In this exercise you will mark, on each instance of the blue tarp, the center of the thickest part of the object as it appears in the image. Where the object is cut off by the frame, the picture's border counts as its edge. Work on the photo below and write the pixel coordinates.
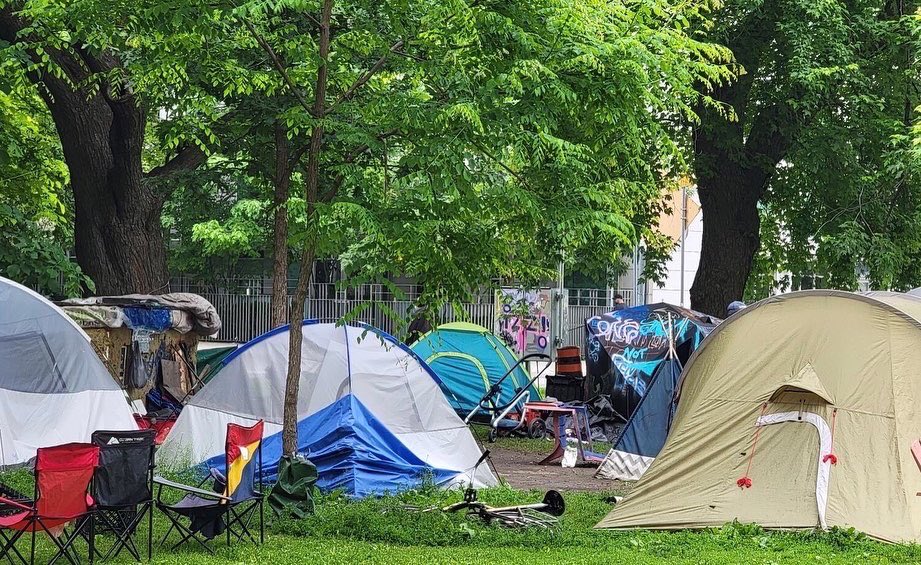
(650, 423)
(353, 452)
(468, 359)
(152, 319)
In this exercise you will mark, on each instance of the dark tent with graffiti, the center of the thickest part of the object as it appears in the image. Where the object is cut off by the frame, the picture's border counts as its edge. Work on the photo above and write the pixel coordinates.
(636, 356)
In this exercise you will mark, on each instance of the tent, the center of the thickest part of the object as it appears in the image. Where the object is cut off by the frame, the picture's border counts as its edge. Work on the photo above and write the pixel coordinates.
(644, 348)
(53, 387)
(644, 434)
(798, 412)
(210, 358)
(469, 359)
(371, 416)
(624, 348)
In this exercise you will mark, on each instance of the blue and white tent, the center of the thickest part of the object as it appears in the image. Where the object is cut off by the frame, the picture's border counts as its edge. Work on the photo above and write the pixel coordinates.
(372, 417)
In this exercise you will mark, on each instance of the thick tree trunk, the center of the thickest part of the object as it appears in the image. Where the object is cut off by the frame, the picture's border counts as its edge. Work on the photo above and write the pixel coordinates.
(292, 386)
(730, 241)
(734, 161)
(117, 231)
(282, 183)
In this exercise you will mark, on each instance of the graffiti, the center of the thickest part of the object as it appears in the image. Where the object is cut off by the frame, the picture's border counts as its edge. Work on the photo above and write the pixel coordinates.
(626, 333)
(594, 349)
(523, 319)
(630, 345)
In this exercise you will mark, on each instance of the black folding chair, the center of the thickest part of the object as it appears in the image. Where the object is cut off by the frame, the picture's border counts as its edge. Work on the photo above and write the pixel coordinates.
(232, 501)
(123, 488)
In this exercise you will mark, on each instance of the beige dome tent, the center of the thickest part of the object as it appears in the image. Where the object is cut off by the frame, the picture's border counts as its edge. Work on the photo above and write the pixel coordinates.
(797, 412)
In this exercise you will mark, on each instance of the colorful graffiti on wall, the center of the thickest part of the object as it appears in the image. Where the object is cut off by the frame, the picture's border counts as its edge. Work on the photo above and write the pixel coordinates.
(523, 319)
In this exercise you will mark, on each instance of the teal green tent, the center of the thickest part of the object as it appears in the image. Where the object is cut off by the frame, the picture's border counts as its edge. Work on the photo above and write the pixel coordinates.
(469, 359)
(212, 358)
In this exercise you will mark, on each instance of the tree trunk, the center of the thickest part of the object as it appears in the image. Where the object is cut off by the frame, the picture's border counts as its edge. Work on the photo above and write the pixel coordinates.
(292, 385)
(117, 231)
(731, 238)
(734, 161)
(282, 183)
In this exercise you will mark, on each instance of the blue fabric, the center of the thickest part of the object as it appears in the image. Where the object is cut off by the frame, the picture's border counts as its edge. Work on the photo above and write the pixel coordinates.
(649, 425)
(353, 452)
(156, 400)
(445, 351)
(153, 319)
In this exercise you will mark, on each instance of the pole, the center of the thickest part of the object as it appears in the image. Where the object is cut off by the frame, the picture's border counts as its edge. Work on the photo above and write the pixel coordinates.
(684, 229)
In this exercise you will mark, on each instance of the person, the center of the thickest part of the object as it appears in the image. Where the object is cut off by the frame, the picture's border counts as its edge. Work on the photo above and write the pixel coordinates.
(619, 303)
(418, 327)
(734, 307)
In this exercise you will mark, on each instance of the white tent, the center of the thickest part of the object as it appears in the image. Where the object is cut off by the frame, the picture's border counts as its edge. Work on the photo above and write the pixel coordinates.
(371, 414)
(53, 387)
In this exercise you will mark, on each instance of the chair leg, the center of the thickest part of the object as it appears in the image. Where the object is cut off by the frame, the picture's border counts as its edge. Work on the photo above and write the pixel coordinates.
(124, 537)
(261, 520)
(32, 547)
(9, 545)
(92, 542)
(243, 519)
(227, 523)
(186, 533)
(149, 531)
(168, 531)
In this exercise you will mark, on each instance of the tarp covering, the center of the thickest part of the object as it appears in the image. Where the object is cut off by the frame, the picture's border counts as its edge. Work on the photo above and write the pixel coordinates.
(53, 387)
(371, 415)
(468, 360)
(811, 375)
(624, 348)
(202, 317)
(646, 430)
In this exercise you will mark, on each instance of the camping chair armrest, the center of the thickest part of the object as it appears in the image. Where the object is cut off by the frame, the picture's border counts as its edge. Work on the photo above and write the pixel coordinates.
(7, 501)
(161, 482)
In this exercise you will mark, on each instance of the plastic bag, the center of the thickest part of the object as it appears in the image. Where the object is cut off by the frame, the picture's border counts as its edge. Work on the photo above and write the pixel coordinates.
(571, 453)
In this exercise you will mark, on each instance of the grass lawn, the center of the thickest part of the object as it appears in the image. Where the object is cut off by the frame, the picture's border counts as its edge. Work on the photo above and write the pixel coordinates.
(383, 531)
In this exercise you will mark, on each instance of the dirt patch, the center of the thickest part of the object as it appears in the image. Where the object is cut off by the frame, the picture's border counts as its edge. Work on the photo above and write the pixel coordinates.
(521, 471)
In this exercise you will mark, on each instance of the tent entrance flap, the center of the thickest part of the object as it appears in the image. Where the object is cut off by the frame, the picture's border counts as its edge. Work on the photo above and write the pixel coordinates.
(789, 441)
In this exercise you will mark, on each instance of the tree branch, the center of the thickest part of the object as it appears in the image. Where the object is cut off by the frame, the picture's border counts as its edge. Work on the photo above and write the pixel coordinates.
(280, 67)
(499, 162)
(350, 92)
(189, 157)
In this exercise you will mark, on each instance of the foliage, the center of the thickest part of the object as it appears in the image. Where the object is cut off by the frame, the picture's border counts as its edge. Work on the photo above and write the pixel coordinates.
(848, 196)
(35, 209)
(495, 141)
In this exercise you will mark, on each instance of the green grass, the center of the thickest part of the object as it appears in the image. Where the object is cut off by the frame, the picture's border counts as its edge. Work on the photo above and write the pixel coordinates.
(384, 531)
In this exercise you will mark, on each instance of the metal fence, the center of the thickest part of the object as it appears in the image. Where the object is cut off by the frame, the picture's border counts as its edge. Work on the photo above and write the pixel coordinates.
(246, 316)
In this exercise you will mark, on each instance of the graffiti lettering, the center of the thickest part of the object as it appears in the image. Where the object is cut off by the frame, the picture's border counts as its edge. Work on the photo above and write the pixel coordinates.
(524, 319)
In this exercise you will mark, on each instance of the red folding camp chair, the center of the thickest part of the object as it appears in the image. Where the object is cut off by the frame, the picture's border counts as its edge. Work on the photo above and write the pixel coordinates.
(62, 477)
(233, 499)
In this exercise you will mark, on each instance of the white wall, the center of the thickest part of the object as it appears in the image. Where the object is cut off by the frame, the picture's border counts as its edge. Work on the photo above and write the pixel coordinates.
(671, 291)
